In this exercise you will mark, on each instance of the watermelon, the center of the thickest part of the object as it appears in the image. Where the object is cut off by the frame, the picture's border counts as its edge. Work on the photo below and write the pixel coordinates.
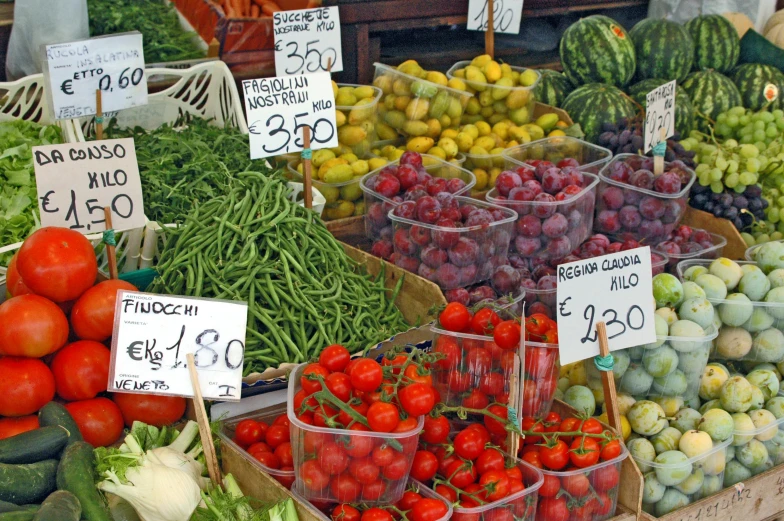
(664, 49)
(684, 111)
(597, 104)
(759, 85)
(716, 43)
(597, 49)
(553, 87)
(711, 93)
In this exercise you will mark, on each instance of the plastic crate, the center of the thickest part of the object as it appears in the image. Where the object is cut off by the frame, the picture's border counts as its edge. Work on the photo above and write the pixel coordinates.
(361, 119)
(592, 158)
(759, 449)
(714, 252)
(751, 250)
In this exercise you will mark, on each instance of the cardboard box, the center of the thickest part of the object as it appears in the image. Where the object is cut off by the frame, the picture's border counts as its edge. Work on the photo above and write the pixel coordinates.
(736, 246)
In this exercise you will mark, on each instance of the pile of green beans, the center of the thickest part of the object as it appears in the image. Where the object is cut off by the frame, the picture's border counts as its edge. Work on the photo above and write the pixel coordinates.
(303, 291)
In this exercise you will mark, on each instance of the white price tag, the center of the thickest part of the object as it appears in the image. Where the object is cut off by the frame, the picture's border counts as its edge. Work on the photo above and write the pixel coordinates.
(615, 289)
(307, 40)
(659, 115)
(279, 108)
(507, 15)
(112, 64)
(75, 181)
(153, 335)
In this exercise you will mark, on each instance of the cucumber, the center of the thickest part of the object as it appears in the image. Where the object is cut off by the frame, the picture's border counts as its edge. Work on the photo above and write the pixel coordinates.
(27, 482)
(53, 414)
(19, 515)
(31, 446)
(77, 475)
(59, 506)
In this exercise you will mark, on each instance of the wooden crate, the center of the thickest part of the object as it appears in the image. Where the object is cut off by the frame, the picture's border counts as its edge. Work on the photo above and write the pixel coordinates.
(736, 246)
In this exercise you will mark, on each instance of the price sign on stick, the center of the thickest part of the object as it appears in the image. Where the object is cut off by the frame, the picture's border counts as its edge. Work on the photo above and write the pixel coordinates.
(615, 289)
(154, 334)
(112, 64)
(506, 15)
(307, 40)
(75, 181)
(659, 115)
(278, 109)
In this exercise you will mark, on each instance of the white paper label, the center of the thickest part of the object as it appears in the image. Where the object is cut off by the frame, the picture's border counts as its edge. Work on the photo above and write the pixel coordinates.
(307, 41)
(659, 115)
(506, 15)
(615, 289)
(278, 109)
(113, 64)
(75, 181)
(153, 335)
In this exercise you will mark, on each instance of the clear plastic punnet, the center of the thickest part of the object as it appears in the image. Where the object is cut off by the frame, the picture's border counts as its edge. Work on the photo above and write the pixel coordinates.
(357, 122)
(591, 158)
(676, 480)
(310, 443)
(759, 446)
(714, 252)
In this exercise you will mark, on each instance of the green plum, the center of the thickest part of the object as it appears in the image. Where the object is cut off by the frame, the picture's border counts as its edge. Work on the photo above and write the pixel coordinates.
(692, 272)
(775, 451)
(759, 320)
(717, 423)
(672, 467)
(661, 361)
(757, 399)
(692, 290)
(712, 379)
(735, 473)
(620, 363)
(642, 451)
(666, 439)
(727, 270)
(711, 485)
(670, 502)
(776, 406)
(736, 394)
(667, 290)
(752, 454)
(743, 429)
(668, 314)
(776, 278)
(662, 331)
(735, 310)
(712, 285)
(765, 423)
(710, 404)
(770, 256)
(768, 346)
(670, 404)
(733, 343)
(652, 490)
(581, 398)
(754, 285)
(695, 443)
(674, 384)
(689, 336)
(646, 418)
(775, 298)
(636, 380)
(698, 310)
(692, 484)
(686, 420)
(766, 380)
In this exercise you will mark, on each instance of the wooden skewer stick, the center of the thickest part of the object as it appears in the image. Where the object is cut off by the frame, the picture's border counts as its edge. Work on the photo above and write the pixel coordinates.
(98, 115)
(110, 250)
(490, 32)
(608, 381)
(204, 424)
(329, 65)
(515, 401)
(307, 170)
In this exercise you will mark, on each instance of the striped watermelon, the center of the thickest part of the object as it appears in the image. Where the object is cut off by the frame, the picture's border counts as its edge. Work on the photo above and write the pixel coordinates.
(684, 111)
(711, 93)
(759, 85)
(597, 49)
(553, 87)
(716, 43)
(595, 104)
(664, 49)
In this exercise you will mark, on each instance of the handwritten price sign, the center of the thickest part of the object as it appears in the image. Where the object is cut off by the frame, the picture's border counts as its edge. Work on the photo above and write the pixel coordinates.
(307, 41)
(75, 181)
(112, 64)
(659, 115)
(278, 109)
(506, 15)
(615, 289)
(153, 334)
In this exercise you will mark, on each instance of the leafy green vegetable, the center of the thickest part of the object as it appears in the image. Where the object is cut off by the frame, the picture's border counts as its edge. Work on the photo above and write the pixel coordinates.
(163, 38)
(232, 505)
(18, 207)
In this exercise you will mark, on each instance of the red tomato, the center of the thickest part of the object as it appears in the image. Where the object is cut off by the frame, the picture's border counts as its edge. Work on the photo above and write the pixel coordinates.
(81, 370)
(460, 473)
(493, 425)
(247, 433)
(490, 459)
(550, 336)
(605, 478)
(332, 458)
(417, 399)
(268, 459)
(92, 316)
(335, 357)
(484, 321)
(550, 486)
(576, 485)
(584, 452)
(26, 385)
(13, 282)
(313, 441)
(345, 488)
(425, 466)
(57, 263)
(458, 381)
(345, 419)
(99, 420)
(537, 324)
(569, 425)
(555, 456)
(376, 514)
(31, 326)
(398, 468)
(478, 361)
(312, 476)
(309, 385)
(491, 383)
(383, 455)
(366, 375)
(300, 398)
(345, 513)
(382, 416)
(418, 374)
(552, 509)
(374, 490)
(476, 399)
(610, 450)
(507, 335)
(469, 443)
(496, 483)
(408, 500)
(259, 446)
(515, 474)
(396, 363)
(364, 469)
(602, 504)
(277, 435)
(13, 426)
(446, 492)
(455, 317)
(358, 446)
(451, 353)
(532, 425)
(435, 430)
(532, 458)
(592, 426)
(150, 409)
(428, 509)
(339, 384)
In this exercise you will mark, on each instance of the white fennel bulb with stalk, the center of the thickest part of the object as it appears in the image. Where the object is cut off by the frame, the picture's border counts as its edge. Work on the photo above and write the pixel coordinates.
(175, 459)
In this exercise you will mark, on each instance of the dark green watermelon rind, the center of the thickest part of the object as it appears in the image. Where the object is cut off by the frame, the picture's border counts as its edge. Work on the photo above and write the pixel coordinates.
(594, 104)
(552, 88)
(684, 110)
(716, 43)
(663, 49)
(751, 79)
(592, 53)
(711, 93)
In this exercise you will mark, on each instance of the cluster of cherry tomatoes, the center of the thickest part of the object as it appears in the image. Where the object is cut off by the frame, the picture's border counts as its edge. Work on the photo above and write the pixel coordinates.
(360, 399)
(580, 461)
(269, 444)
(415, 505)
(478, 353)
